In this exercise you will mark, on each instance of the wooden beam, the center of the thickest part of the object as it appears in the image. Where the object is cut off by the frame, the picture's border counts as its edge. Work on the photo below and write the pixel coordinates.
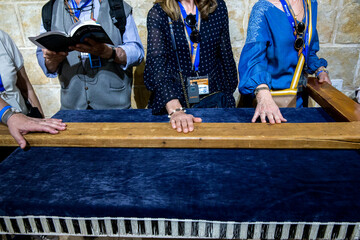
(336, 135)
(334, 102)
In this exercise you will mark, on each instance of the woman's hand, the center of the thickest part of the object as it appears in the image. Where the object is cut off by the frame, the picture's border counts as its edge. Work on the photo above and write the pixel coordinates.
(183, 122)
(324, 77)
(179, 120)
(267, 108)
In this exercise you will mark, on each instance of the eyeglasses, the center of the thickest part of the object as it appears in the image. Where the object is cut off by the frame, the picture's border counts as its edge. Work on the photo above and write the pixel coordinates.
(190, 21)
(299, 42)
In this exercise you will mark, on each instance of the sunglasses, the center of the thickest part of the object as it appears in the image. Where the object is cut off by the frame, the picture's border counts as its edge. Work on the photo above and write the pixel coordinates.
(191, 22)
(299, 42)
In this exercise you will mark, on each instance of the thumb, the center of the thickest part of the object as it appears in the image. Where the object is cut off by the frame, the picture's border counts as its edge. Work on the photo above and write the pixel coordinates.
(197, 119)
(19, 138)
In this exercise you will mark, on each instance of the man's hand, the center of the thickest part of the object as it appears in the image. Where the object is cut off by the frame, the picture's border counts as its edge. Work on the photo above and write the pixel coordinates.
(19, 125)
(53, 59)
(94, 48)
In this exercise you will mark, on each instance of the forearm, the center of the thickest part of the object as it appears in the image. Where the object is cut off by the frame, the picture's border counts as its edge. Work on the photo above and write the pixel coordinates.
(27, 90)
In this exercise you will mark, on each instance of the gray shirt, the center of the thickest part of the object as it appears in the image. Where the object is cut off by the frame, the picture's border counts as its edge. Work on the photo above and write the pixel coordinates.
(11, 62)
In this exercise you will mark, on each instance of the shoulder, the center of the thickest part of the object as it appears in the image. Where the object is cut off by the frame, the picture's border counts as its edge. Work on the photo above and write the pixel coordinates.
(5, 39)
(156, 12)
(127, 8)
(261, 7)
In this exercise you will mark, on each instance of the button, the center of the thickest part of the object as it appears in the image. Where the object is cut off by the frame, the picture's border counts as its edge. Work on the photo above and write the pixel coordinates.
(86, 88)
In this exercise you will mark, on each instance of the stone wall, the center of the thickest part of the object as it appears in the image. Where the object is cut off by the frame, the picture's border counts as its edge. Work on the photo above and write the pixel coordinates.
(338, 27)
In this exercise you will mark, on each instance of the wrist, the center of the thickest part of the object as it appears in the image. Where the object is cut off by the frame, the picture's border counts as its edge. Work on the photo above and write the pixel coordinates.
(261, 88)
(175, 111)
(6, 113)
(321, 70)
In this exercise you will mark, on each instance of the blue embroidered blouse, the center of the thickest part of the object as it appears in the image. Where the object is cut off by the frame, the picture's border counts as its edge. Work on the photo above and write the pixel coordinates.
(269, 56)
(161, 75)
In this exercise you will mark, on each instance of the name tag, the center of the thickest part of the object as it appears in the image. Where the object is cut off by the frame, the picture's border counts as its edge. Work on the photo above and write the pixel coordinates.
(202, 82)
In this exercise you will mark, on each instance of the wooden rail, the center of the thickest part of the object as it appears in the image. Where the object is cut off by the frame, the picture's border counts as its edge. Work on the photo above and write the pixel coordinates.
(335, 135)
(335, 103)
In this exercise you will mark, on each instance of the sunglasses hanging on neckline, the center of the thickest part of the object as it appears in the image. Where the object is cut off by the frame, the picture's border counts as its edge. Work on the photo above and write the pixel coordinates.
(191, 22)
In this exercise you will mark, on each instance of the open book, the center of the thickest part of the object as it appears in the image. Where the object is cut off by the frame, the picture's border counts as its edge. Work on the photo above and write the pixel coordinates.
(60, 41)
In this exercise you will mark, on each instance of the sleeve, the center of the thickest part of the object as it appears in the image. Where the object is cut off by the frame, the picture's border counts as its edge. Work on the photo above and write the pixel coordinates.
(313, 61)
(13, 52)
(160, 72)
(227, 57)
(253, 62)
(41, 59)
(132, 44)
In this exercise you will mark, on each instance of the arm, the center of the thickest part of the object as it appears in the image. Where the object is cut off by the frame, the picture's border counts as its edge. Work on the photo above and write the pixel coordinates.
(160, 73)
(253, 68)
(19, 124)
(27, 90)
(227, 57)
(314, 62)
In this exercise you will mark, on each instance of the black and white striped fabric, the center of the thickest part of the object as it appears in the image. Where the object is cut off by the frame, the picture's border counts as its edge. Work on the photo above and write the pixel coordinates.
(174, 228)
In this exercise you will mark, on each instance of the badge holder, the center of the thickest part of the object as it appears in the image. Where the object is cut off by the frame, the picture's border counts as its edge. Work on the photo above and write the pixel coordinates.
(95, 61)
(193, 93)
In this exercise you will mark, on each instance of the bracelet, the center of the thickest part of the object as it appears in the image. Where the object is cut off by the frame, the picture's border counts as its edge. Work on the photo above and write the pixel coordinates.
(7, 114)
(259, 89)
(320, 70)
(176, 110)
(4, 110)
(318, 73)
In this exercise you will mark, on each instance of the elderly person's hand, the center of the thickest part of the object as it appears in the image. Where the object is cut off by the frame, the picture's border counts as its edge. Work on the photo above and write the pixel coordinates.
(267, 108)
(19, 125)
(183, 122)
(324, 77)
(179, 120)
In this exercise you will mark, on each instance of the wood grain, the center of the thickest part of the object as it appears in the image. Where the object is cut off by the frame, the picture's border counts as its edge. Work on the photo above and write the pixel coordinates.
(335, 103)
(337, 135)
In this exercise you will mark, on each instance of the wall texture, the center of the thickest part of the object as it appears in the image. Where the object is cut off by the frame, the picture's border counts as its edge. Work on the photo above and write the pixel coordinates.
(338, 27)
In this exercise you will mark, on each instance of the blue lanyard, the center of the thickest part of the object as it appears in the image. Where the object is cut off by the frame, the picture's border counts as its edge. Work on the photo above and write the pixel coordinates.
(188, 29)
(78, 10)
(293, 25)
(2, 89)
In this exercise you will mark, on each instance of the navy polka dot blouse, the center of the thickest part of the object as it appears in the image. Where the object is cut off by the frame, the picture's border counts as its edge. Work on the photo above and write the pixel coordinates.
(161, 74)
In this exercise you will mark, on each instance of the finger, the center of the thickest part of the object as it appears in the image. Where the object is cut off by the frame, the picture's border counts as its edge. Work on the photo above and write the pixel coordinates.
(18, 138)
(190, 124)
(184, 125)
(263, 117)
(173, 123)
(178, 125)
(281, 117)
(277, 118)
(256, 115)
(90, 41)
(271, 118)
(197, 119)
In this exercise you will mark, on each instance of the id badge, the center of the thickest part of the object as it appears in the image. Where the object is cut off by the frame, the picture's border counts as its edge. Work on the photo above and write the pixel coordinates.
(202, 82)
(95, 61)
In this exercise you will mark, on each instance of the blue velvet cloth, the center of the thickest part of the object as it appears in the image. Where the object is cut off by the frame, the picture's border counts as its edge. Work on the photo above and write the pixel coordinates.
(210, 184)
